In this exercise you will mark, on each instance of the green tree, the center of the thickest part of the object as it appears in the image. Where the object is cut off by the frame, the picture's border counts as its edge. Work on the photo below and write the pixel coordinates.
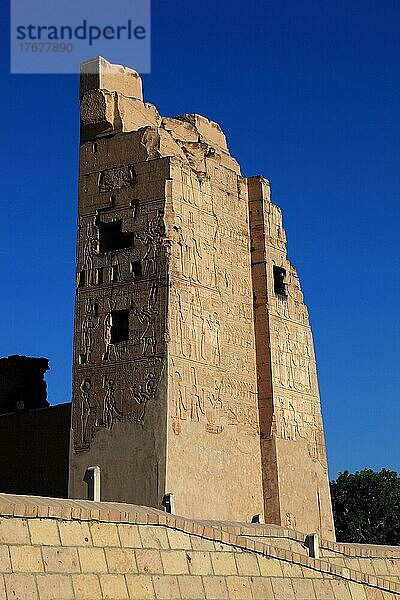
(366, 507)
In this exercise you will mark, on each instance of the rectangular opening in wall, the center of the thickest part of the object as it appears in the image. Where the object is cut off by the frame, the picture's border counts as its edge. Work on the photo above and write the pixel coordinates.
(119, 326)
(113, 238)
(99, 276)
(135, 206)
(115, 273)
(136, 268)
(279, 281)
(82, 279)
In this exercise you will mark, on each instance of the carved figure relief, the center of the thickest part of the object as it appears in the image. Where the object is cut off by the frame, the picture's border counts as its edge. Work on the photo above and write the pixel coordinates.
(292, 358)
(212, 337)
(181, 324)
(89, 250)
(199, 393)
(148, 315)
(316, 448)
(90, 323)
(290, 520)
(215, 412)
(276, 232)
(116, 178)
(110, 348)
(196, 399)
(110, 409)
(180, 406)
(291, 307)
(210, 267)
(86, 411)
(196, 328)
(189, 249)
(152, 239)
(179, 240)
(142, 392)
(194, 253)
(198, 331)
(289, 426)
(139, 389)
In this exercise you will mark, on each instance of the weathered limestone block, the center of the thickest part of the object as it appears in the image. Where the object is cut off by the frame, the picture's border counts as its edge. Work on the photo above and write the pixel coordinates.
(209, 131)
(158, 143)
(98, 111)
(180, 130)
(99, 74)
(135, 114)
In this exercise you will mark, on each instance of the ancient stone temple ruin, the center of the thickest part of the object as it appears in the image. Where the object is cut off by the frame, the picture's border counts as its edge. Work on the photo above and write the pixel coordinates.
(195, 390)
(194, 367)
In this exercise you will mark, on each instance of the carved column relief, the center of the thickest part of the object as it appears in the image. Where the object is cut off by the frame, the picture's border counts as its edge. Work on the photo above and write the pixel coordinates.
(288, 387)
(212, 368)
(117, 374)
(119, 395)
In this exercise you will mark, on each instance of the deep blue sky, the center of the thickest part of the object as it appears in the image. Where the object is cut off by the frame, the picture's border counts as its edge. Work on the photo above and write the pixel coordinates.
(308, 94)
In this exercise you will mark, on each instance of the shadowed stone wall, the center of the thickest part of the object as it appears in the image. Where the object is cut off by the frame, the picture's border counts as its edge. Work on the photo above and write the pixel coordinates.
(35, 451)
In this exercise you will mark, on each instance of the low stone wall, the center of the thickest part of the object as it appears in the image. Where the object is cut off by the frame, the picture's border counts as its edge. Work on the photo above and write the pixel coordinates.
(381, 561)
(68, 549)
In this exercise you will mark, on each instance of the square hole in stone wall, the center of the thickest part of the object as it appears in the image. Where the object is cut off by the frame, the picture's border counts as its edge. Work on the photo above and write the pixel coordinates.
(113, 238)
(136, 268)
(119, 326)
(279, 281)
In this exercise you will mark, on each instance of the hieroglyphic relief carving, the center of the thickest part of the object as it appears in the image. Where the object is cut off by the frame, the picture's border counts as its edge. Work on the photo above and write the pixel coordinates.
(90, 247)
(102, 403)
(316, 446)
(290, 520)
(194, 252)
(143, 391)
(152, 239)
(90, 323)
(212, 339)
(180, 407)
(212, 400)
(288, 421)
(215, 412)
(110, 409)
(179, 241)
(292, 358)
(148, 315)
(180, 324)
(198, 330)
(190, 249)
(209, 264)
(295, 419)
(196, 398)
(292, 307)
(195, 249)
(86, 411)
(275, 230)
(116, 178)
(110, 347)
